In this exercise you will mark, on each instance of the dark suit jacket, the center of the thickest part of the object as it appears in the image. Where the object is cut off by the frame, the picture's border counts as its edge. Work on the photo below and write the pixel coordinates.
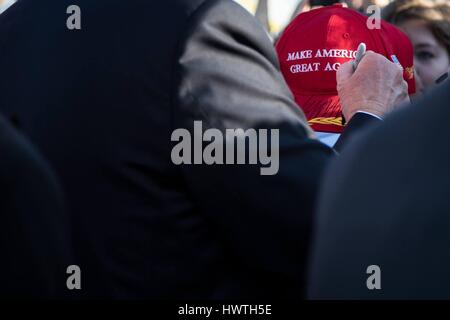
(34, 236)
(102, 103)
(386, 202)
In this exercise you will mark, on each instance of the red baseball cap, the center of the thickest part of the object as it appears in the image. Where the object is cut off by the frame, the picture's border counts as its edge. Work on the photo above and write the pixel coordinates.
(317, 42)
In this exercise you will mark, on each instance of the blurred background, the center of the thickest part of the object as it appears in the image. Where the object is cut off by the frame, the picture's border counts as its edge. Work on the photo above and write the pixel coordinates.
(5, 4)
(275, 15)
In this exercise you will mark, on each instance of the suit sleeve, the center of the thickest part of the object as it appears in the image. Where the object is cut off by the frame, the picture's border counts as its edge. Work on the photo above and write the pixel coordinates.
(35, 239)
(359, 122)
(229, 78)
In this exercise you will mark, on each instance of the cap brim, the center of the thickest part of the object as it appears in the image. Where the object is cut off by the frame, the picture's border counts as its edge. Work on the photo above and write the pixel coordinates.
(323, 112)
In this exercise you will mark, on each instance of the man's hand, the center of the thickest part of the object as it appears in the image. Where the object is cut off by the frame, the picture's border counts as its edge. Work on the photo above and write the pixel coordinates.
(376, 87)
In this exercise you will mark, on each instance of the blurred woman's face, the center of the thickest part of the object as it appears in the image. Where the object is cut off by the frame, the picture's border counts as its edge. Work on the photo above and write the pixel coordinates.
(431, 59)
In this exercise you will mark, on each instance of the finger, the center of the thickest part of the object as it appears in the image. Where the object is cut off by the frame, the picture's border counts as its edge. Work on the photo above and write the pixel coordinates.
(405, 96)
(374, 58)
(344, 72)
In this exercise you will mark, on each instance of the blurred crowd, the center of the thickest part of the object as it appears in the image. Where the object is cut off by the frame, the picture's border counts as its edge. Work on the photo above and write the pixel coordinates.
(276, 15)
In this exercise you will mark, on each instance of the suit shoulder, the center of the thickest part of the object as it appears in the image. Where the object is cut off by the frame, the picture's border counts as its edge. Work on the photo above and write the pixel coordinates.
(23, 163)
